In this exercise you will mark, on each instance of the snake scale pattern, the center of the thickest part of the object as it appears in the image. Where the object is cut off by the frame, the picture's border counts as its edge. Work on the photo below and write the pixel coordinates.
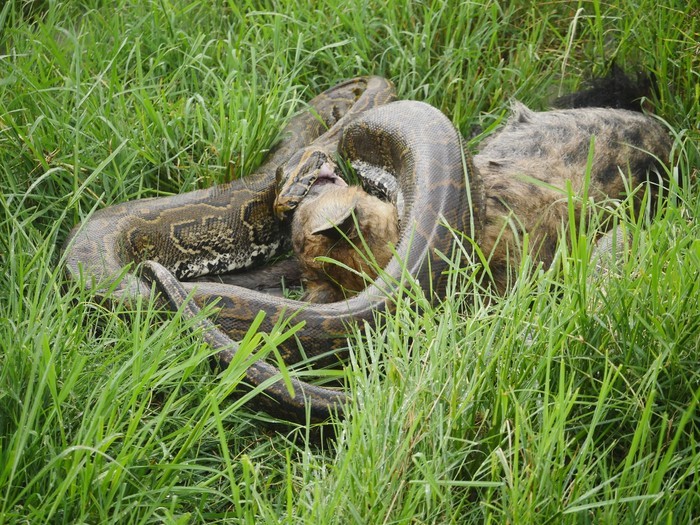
(518, 187)
(234, 226)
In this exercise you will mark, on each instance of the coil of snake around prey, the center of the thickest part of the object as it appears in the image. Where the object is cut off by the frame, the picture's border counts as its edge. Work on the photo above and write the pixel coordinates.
(234, 226)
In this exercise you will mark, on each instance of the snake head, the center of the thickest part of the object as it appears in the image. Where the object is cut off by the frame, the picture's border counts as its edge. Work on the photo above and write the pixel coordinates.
(298, 177)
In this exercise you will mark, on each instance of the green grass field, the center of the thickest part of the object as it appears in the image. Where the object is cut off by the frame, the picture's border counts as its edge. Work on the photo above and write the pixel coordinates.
(572, 400)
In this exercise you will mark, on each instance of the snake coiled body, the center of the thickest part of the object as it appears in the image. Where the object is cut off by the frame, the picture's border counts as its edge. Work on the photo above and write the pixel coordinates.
(218, 229)
(426, 156)
(193, 233)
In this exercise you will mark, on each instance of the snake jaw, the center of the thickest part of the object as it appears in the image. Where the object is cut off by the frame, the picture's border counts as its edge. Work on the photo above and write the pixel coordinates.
(317, 170)
(325, 176)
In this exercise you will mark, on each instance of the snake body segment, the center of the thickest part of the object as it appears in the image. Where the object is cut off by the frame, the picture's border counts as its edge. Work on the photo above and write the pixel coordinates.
(227, 227)
(520, 188)
(234, 226)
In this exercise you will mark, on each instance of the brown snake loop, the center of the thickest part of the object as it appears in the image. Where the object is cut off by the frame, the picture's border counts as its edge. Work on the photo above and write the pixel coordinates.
(233, 226)
(218, 229)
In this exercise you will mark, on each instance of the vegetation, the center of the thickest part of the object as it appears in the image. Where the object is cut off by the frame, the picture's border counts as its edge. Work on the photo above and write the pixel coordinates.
(572, 400)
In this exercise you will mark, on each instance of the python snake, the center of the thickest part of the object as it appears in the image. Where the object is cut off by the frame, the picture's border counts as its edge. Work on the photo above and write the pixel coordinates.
(237, 225)
(234, 226)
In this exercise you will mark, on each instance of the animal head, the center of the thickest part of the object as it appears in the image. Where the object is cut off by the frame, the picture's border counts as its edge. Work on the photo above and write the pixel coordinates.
(354, 229)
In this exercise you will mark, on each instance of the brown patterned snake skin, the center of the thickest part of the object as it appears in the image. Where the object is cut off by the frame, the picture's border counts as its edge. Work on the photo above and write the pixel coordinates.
(519, 186)
(218, 229)
(233, 226)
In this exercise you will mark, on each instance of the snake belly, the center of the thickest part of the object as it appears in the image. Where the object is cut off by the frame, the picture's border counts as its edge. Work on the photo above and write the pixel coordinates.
(227, 227)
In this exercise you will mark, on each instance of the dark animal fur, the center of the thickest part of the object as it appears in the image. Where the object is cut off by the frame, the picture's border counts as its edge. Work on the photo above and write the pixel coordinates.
(615, 90)
(526, 167)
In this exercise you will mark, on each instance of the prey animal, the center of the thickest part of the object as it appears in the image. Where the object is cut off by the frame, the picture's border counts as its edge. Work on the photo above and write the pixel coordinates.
(534, 166)
(528, 171)
(342, 236)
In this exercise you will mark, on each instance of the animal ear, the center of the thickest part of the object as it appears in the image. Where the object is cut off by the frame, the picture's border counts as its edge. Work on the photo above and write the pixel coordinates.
(340, 223)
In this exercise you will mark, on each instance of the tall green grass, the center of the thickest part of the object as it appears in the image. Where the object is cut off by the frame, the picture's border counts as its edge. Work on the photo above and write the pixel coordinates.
(573, 399)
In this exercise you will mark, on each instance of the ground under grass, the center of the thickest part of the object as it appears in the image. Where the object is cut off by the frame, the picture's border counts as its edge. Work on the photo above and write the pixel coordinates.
(571, 400)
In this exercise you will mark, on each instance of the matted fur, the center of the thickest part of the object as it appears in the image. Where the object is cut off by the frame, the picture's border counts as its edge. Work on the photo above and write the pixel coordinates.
(526, 167)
